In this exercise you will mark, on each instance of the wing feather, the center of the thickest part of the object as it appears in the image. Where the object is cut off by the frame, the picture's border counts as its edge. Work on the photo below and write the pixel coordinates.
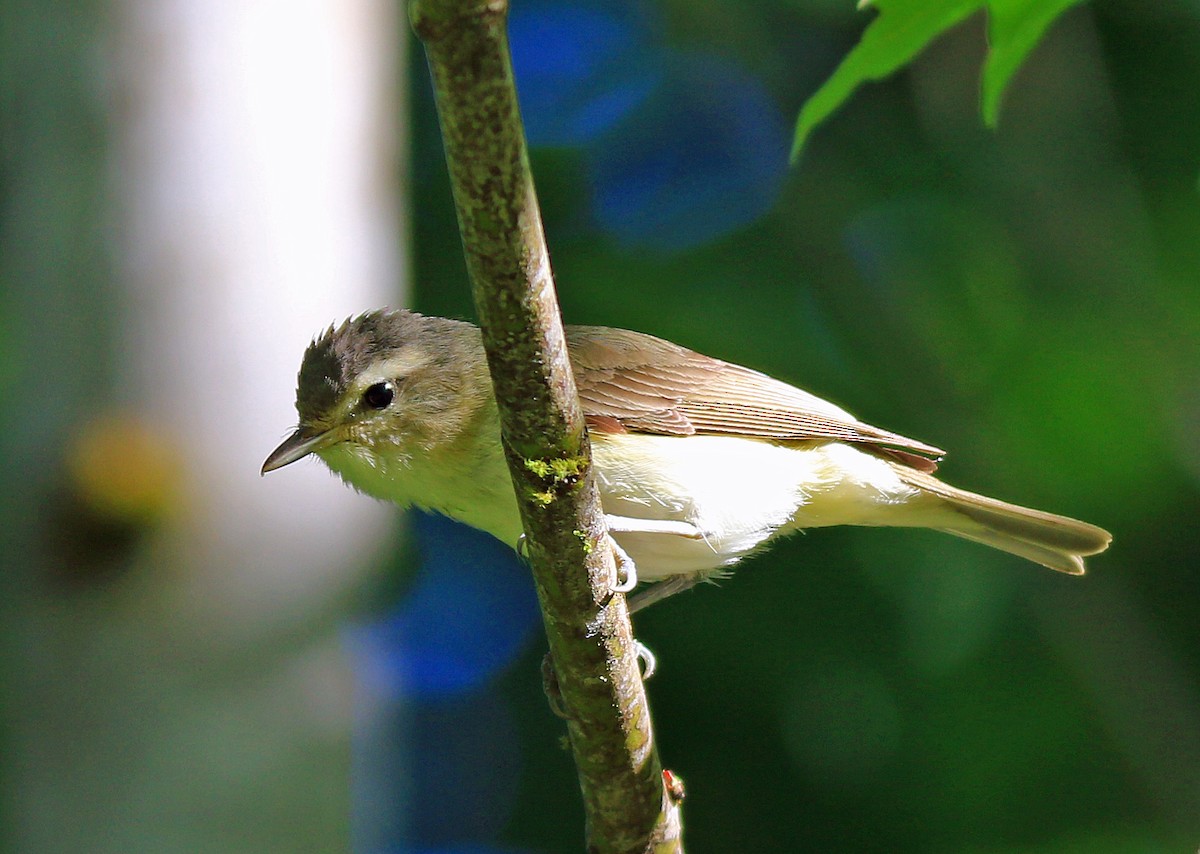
(632, 382)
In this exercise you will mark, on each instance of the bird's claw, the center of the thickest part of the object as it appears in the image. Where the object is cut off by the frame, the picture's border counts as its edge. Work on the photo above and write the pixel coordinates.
(625, 576)
(647, 659)
(553, 693)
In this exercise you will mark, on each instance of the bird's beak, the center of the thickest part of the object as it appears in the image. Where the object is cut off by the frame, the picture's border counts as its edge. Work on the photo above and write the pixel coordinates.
(297, 446)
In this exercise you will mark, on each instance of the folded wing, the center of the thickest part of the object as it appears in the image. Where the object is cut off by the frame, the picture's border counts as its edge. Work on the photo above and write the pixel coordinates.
(636, 383)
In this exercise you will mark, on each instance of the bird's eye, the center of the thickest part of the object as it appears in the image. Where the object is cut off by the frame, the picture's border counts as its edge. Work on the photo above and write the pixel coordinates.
(379, 396)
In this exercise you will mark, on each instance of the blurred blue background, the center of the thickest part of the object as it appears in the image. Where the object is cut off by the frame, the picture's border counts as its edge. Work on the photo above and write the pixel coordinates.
(1028, 299)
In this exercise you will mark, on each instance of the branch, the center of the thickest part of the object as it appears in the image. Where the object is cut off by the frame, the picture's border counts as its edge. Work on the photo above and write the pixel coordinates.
(542, 427)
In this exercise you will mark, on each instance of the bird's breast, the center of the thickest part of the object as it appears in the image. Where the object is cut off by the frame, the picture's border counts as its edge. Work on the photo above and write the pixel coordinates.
(470, 485)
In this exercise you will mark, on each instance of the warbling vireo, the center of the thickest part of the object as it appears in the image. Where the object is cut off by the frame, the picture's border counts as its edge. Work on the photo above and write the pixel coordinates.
(699, 462)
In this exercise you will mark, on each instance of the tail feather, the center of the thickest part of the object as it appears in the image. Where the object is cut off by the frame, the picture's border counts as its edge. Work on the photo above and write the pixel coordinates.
(1056, 542)
(1071, 564)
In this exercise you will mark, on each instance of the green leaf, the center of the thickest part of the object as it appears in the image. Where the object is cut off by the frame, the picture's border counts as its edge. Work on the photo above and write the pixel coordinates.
(899, 32)
(1014, 28)
(904, 27)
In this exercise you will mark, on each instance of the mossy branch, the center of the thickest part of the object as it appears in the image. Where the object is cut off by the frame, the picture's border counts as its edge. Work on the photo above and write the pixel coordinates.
(542, 427)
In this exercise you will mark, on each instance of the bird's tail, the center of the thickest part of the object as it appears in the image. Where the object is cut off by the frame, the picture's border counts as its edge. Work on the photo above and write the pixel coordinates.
(1057, 542)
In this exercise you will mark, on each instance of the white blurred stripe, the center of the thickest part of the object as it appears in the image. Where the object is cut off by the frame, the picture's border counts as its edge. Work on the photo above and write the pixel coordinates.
(255, 169)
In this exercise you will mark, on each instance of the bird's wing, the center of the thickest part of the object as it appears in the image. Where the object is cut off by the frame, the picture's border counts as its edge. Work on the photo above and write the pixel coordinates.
(630, 382)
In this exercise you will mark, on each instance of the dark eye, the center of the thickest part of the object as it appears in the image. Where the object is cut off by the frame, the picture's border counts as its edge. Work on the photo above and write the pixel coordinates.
(379, 396)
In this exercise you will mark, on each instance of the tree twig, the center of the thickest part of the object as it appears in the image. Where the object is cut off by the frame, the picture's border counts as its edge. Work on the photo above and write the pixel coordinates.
(542, 426)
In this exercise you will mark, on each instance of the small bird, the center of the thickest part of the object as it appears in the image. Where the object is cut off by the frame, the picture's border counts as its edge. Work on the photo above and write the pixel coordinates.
(699, 462)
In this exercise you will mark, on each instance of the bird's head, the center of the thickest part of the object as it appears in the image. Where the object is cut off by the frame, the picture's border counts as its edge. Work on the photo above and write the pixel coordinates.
(383, 387)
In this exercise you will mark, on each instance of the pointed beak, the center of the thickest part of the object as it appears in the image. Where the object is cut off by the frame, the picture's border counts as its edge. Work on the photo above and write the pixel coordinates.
(297, 446)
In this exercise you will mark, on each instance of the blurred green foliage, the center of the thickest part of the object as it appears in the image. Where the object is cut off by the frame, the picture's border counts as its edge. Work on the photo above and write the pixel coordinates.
(1026, 298)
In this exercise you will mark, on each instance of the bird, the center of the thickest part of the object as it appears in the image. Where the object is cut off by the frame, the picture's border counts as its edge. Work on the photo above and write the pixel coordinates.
(699, 462)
